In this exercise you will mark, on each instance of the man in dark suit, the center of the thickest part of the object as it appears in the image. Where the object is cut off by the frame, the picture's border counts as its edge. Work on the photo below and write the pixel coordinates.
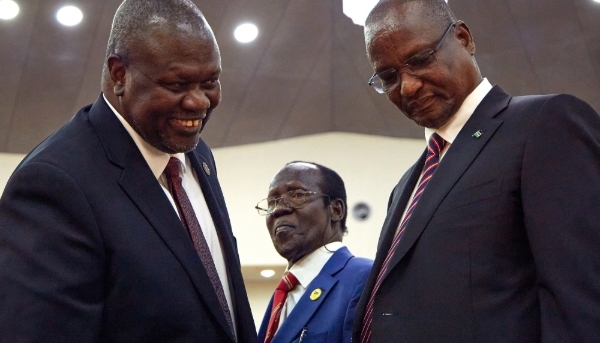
(493, 235)
(97, 244)
(306, 218)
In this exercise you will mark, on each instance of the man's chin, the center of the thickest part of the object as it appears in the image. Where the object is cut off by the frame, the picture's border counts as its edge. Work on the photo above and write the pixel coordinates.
(429, 118)
(174, 147)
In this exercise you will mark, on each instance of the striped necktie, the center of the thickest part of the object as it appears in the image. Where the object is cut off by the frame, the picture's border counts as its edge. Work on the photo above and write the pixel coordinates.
(434, 148)
(286, 284)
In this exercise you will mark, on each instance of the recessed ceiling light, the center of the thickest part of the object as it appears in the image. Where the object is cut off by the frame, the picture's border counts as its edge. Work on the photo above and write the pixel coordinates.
(358, 10)
(267, 273)
(8, 9)
(246, 33)
(69, 15)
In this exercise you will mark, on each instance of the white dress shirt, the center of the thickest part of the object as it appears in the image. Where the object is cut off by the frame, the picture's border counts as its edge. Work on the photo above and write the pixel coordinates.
(451, 129)
(306, 270)
(157, 161)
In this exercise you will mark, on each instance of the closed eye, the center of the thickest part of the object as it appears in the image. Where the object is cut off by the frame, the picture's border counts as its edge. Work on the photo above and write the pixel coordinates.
(212, 83)
(421, 59)
(176, 86)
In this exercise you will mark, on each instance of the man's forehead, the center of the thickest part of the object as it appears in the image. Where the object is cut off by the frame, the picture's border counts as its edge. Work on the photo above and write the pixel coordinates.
(160, 36)
(302, 166)
(292, 172)
(405, 17)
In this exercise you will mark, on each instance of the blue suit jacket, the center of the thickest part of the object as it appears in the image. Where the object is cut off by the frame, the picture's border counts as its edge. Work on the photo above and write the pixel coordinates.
(328, 318)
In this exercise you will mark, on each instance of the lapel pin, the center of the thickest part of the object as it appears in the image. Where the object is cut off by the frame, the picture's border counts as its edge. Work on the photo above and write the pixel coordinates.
(316, 294)
(478, 134)
(206, 169)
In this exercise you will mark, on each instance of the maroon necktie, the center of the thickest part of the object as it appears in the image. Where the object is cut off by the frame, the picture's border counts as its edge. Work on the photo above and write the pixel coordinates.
(434, 147)
(286, 284)
(189, 220)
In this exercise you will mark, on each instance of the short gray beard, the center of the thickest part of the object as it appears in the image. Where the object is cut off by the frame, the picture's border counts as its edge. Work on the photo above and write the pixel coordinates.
(163, 143)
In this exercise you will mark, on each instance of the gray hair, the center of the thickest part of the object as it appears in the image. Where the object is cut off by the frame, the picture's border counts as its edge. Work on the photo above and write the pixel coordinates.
(134, 18)
(437, 12)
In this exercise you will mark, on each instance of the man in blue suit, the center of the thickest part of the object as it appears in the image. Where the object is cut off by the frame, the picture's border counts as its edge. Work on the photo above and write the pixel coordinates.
(306, 218)
(97, 243)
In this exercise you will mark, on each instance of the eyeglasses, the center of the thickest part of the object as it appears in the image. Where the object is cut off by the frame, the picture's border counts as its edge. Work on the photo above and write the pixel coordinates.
(388, 80)
(291, 199)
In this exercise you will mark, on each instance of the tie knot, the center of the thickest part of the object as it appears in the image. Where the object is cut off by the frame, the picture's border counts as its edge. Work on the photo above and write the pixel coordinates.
(436, 144)
(288, 282)
(172, 169)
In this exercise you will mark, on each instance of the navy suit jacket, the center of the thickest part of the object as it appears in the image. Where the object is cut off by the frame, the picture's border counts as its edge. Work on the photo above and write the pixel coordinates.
(328, 318)
(503, 244)
(91, 249)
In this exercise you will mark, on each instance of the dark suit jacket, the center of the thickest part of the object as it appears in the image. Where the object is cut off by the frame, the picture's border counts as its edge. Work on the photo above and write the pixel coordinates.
(328, 318)
(503, 245)
(91, 249)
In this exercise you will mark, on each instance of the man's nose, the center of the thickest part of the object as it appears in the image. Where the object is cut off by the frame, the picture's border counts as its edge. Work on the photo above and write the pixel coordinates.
(409, 84)
(196, 100)
(281, 208)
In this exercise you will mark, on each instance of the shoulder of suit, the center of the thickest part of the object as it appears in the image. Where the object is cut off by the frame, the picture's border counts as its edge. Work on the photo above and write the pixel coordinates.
(361, 262)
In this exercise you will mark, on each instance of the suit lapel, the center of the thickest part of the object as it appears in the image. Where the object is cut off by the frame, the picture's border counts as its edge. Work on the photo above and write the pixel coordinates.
(146, 193)
(208, 183)
(306, 308)
(458, 158)
(399, 199)
(207, 178)
(402, 196)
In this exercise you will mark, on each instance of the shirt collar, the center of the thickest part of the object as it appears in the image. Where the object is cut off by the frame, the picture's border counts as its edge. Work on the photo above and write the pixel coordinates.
(451, 129)
(157, 160)
(308, 267)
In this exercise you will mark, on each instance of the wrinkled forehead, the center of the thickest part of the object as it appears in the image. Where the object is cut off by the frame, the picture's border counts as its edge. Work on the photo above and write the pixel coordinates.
(409, 20)
(296, 174)
(175, 39)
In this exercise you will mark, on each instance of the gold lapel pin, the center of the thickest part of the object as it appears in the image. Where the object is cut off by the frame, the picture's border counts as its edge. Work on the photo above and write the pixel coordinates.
(478, 134)
(316, 294)
(206, 169)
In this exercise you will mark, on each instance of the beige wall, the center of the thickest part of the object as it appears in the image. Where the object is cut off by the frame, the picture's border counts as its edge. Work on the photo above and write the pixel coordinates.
(8, 163)
(369, 165)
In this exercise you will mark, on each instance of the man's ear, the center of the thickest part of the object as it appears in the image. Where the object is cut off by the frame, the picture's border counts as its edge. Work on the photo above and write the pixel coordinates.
(337, 209)
(464, 35)
(117, 71)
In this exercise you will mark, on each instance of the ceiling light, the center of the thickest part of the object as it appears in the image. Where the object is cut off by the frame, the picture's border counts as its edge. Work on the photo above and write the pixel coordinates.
(8, 9)
(69, 15)
(358, 10)
(246, 33)
(267, 273)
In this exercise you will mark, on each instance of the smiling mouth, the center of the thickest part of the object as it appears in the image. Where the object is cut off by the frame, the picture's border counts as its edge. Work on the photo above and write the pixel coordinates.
(188, 123)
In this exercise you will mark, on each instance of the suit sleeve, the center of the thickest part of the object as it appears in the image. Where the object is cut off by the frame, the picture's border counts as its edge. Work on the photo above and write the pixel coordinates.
(361, 278)
(51, 285)
(561, 205)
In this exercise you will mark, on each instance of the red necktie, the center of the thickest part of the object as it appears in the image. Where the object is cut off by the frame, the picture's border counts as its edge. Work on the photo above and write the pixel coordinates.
(286, 284)
(189, 220)
(434, 147)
